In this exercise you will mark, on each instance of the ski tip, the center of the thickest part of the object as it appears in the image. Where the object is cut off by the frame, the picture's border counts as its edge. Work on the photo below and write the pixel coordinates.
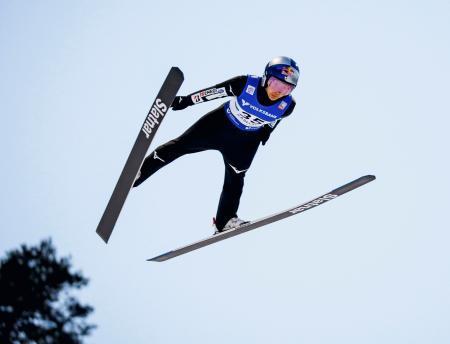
(178, 71)
(365, 179)
(354, 184)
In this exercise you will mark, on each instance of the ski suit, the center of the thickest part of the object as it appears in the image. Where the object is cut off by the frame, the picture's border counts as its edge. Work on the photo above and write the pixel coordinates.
(235, 129)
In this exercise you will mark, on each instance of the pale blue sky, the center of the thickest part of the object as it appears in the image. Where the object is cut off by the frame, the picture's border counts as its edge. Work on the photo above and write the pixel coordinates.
(76, 81)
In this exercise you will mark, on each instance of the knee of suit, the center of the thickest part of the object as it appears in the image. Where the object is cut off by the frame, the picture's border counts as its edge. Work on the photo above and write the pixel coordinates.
(166, 146)
(168, 151)
(234, 173)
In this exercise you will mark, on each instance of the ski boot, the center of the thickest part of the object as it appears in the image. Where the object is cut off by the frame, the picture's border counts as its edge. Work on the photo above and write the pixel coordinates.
(232, 223)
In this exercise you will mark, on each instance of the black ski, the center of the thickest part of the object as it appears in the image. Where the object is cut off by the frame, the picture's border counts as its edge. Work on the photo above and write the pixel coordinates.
(266, 220)
(151, 124)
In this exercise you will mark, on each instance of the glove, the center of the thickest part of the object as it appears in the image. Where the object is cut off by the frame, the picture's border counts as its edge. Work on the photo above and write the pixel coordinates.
(180, 103)
(265, 134)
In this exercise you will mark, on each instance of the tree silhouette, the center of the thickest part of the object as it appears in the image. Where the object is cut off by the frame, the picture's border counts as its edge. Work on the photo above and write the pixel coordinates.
(35, 303)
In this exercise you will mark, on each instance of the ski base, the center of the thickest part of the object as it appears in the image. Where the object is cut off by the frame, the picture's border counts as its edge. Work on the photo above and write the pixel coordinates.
(266, 220)
(133, 164)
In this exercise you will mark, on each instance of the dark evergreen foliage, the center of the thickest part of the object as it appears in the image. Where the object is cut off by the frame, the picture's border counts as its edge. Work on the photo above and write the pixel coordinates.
(35, 301)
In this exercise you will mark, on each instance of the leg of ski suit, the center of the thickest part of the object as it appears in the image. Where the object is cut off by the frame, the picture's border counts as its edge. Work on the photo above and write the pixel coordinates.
(212, 131)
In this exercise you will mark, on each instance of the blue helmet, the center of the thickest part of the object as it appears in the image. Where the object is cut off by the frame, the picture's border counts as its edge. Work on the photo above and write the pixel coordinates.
(283, 68)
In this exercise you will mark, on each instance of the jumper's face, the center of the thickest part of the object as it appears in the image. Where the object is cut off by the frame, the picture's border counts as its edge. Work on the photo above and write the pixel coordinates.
(276, 88)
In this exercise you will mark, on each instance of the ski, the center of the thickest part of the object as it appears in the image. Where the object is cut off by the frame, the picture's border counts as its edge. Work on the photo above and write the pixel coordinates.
(156, 114)
(266, 220)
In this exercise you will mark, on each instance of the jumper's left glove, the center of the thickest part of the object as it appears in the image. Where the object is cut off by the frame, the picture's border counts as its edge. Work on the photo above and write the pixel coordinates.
(180, 103)
(265, 134)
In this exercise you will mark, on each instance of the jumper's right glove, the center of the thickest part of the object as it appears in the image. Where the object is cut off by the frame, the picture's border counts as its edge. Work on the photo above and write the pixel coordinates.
(180, 103)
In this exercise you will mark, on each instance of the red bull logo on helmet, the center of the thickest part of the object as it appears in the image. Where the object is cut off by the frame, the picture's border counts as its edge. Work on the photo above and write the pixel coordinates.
(287, 70)
(290, 74)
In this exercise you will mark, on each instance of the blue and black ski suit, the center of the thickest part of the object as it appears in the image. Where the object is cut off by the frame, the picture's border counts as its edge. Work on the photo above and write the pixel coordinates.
(235, 129)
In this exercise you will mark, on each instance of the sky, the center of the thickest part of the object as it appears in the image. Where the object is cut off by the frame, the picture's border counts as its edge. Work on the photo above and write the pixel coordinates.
(373, 266)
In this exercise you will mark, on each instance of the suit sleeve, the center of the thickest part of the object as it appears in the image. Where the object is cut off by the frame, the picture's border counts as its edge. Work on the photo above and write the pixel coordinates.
(232, 87)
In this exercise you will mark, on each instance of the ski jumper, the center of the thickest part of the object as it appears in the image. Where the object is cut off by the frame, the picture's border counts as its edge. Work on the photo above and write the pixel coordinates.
(235, 129)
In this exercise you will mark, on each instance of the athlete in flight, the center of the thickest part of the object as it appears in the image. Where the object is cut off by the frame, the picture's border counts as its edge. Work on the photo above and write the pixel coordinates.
(235, 129)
